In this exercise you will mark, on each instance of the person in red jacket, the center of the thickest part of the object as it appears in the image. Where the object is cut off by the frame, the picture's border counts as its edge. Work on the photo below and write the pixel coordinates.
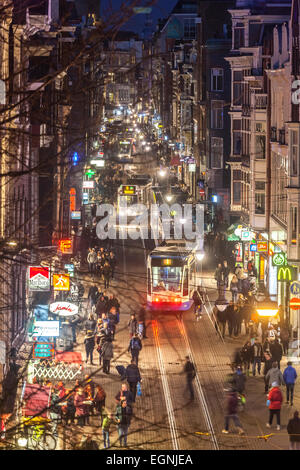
(274, 402)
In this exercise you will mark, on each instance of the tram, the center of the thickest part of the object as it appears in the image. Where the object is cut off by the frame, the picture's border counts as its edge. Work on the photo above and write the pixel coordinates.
(125, 150)
(171, 277)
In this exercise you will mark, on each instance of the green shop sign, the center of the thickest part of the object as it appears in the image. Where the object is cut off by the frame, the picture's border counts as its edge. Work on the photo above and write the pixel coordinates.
(279, 259)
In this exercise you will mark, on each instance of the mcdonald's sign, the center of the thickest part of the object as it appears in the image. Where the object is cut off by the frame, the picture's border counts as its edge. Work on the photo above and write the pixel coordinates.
(286, 274)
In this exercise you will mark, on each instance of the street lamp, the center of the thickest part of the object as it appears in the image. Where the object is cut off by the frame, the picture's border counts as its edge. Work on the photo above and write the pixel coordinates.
(162, 173)
(267, 308)
(22, 442)
(199, 256)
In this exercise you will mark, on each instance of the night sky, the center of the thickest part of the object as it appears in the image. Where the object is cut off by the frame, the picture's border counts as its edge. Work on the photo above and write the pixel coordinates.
(160, 9)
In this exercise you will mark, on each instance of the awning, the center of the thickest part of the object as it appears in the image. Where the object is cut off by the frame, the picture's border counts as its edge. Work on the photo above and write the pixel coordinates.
(70, 357)
(37, 400)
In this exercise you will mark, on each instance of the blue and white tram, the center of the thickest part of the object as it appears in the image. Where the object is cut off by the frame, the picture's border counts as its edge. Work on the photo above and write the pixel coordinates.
(171, 276)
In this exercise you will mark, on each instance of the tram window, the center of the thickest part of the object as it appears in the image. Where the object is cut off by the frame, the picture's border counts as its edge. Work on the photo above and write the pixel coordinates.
(149, 281)
(186, 283)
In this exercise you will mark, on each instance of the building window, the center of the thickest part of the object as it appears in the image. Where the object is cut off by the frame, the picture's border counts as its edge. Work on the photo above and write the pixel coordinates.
(294, 213)
(217, 114)
(294, 153)
(217, 79)
(237, 137)
(216, 152)
(260, 198)
(189, 28)
(239, 36)
(237, 87)
(236, 193)
(260, 147)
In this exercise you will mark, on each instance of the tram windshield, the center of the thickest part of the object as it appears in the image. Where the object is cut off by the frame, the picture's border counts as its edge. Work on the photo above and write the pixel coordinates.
(166, 279)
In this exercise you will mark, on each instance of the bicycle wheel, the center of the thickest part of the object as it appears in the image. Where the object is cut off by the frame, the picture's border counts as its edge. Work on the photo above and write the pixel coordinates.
(49, 442)
(32, 443)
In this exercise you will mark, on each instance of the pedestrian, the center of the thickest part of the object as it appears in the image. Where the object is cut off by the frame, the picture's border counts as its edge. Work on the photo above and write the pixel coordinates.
(226, 272)
(70, 410)
(268, 361)
(237, 359)
(239, 274)
(239, 380)
(99, 399)
(221, 321)
(289, 377)
(133, 377)
(74, 321)
(132, 325)
(274, 403)
(55, 411)
(232, 412)
(107, 354)
(112, 262)
(230, 314)
(219, 277)
(276, 351)
(266, 346)
(190, 373)
(246, 354)
(101, 306)
(135, 346)
(123, 419)
(284, 338)
(106, 271)
(90, 323)
(93, 295)
(257, 356)
(89, 342)
(274, 375)
(106, 423)
(142, 319)
(113, 320)
(293, 428)
(80, 407)
(237, 320)
(234, 288)
(91, 259)
(124, 394)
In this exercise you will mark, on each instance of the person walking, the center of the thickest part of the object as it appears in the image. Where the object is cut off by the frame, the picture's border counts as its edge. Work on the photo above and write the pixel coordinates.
(190, 373)
(293, 428)
(232, 412)
(219, 277)
(90, 324)
(99, 400)
(268, 361)
(230, 317)
(123, 419)
(107, 354)
(89, 342)
(133, 377)
(124, 394)
(234, 288)
(142, 319)
(106, 272)
(276, 351)
(239, 380)
(107, 421)
(274, 403)
(132, 325)
(240, 275)
(257, 355)
(226, 272)
(135, 346)
(113, 320)
(289, 377)
(246, 354)
(80, 407)
(284, 338)
(112, 262)
(274, 375)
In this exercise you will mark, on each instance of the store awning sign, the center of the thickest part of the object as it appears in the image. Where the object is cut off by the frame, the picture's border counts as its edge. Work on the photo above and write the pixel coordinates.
(46, 328)
(61, 282)
(39, 278)
(64, 309)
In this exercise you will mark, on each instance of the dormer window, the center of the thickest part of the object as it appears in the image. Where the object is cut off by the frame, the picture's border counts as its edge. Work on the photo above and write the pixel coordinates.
(239, 36)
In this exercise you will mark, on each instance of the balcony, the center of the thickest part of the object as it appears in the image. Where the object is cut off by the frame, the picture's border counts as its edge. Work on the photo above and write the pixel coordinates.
(259, 101)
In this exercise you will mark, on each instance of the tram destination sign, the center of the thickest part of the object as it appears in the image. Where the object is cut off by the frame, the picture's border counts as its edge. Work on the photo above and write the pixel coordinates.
(128, 190)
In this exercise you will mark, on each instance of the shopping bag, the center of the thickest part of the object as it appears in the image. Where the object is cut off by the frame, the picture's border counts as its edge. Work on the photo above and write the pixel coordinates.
(139, 389)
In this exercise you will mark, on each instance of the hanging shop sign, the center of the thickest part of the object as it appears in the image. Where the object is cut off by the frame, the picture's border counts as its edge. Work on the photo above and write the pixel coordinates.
(61, 282)
(43, 351)
(192, 167)
(72, 194)
(39, 278)
(65, 246)
(262, 247)
(46, 328)
(295, 288)
(85, 198)
(88, 184)
(128, 190)
(279, 259)
(286, 273)
(76, 215)
(70, 268)
(246, 235)
(253, 247)
(64, 309)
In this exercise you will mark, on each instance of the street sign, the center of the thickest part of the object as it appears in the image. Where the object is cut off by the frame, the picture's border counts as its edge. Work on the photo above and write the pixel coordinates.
(43, 351)
(295, 303)
(39, 278)
(279, 259)
(88, 184)
(76, 215)
(70, 268)
(64, 309)
(262, 247)
(46, 328)
(61, 282)
(295, 288)
(253, 247)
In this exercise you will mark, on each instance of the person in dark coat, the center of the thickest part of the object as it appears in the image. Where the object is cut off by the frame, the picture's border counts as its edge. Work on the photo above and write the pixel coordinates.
(93, 295)
(101, 306)
(276, 351)
(239, 380)
(107, 352)
(190, 373)
(284, 338)
(89, 342)
(106, 272)
(230, 318)
(293, 428)
(135, 346)
(142, 318)
(267, 366)
(124, 394)
(123, 418)
(90, 324)
(112, 262)
(232, 412)
(246, 353)
(133, 377)
(132, 325)
(221, 319)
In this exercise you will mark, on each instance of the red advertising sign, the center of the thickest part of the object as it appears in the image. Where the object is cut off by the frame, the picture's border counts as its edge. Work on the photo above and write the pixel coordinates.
(65, 246)
(39, 278)
(262, 247)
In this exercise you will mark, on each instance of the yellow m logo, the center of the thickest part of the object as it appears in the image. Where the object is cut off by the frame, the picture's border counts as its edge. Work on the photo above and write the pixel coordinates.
(284, 274)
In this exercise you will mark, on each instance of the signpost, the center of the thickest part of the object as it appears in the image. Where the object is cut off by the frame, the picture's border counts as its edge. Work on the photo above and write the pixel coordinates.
(295, 303)
(295, 288)
(61, 282)
(38, 278)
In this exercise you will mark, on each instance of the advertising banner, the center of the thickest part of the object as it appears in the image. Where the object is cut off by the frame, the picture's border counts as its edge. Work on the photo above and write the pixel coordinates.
(39, 278)
(46, 328)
